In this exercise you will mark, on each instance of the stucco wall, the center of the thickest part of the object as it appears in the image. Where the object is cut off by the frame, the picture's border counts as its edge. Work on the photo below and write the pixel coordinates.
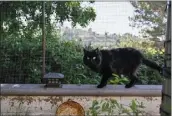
(47, 104)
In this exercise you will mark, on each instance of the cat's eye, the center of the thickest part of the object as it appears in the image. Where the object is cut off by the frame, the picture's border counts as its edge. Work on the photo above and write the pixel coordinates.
(94, 58)
(88, 58)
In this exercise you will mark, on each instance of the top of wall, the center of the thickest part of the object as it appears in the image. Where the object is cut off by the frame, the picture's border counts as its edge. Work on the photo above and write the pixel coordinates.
(79, 90)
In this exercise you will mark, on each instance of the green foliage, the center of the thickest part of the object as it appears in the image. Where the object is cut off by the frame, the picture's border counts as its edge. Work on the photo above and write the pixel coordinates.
(152, 16)
(119, 80)
(21, 43)
(69, 54)
(21, 57)
(112, 107)
(18, 16)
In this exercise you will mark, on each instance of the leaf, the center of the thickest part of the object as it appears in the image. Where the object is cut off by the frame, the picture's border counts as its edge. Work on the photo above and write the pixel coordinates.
(115, 82)
(113, 101)
(127, 111)
(107, 106)
(97, 107)
(125, 79)
(133, 106)
(95, 102)
(117, 104)
(104, 107)
(115, 75)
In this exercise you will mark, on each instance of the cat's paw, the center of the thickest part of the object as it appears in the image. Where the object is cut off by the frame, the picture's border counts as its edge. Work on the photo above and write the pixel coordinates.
(100, 86)
(131, 84)
(128, 86)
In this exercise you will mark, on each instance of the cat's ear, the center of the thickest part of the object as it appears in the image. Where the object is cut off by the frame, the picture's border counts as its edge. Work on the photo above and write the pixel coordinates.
(85, 51)
(97, 50)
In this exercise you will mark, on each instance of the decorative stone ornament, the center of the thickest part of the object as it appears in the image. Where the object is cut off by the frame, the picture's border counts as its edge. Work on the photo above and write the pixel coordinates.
(53, 79)
(70, 108)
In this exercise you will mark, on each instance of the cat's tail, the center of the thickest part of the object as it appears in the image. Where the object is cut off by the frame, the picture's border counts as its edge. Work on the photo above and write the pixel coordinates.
(152, 64)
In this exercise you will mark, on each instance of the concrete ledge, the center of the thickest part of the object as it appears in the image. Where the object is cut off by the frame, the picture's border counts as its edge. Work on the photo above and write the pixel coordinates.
(79, 90)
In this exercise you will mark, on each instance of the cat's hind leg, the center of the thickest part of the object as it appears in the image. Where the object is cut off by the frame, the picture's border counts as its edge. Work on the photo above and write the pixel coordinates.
(132, 72)
(133, 80)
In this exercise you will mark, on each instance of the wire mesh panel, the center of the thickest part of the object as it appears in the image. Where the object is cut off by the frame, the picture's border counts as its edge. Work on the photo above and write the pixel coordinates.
(105, 25)
(165, 108)
(18, 65)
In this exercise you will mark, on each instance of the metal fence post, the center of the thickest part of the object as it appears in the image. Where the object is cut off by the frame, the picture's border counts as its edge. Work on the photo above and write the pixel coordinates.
(165, 107)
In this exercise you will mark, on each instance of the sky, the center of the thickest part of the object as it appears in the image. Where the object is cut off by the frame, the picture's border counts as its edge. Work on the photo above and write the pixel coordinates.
(112, 17)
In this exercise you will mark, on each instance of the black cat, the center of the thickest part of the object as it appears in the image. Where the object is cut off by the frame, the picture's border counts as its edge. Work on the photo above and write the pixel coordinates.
(120, 61)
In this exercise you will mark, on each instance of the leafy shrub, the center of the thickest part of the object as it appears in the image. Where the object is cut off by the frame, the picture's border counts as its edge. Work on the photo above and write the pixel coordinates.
(111, 107)
(22, 60)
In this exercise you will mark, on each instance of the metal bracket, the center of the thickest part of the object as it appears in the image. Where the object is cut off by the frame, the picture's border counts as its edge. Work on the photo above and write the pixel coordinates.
(162, 110)
(166, 73)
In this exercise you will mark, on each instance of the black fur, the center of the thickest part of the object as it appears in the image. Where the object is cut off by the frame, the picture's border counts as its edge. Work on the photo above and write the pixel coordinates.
(120, 61)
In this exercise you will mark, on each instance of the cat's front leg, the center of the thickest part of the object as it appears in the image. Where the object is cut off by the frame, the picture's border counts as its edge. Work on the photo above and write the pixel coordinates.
(104, 80)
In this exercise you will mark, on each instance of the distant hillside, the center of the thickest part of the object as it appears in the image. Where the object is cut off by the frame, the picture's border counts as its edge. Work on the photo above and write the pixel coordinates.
(88, 36)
